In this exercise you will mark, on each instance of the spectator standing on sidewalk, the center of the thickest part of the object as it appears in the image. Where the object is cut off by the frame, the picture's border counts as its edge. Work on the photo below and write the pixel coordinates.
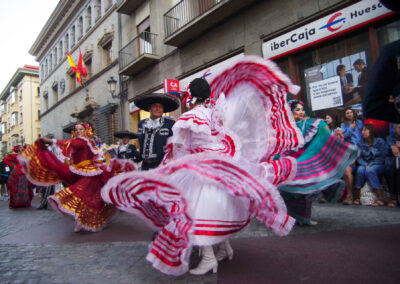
(5, 172)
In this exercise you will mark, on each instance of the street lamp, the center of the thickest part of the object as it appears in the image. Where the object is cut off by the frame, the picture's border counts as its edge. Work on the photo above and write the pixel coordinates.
(112, 87)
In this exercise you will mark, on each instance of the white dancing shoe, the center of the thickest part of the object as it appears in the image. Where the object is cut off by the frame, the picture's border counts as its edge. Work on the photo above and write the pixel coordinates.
(224, 251)
(207, 263)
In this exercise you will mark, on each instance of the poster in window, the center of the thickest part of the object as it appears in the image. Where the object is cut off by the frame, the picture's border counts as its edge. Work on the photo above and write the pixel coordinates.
(326, 94)
(347, 76)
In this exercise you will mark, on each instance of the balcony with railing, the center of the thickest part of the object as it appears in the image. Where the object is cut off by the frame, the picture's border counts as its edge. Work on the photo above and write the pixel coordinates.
(128, 6)
(189, 18)
(138, 54)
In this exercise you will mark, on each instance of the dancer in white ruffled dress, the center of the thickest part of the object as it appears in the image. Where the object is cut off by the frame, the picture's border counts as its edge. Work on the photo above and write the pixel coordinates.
(219, 170)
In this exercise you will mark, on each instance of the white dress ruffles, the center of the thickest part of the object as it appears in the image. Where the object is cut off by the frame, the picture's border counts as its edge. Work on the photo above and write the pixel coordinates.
(218, 171)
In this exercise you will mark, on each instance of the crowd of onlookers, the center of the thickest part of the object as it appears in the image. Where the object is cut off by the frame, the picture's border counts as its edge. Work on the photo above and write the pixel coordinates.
(374, 179)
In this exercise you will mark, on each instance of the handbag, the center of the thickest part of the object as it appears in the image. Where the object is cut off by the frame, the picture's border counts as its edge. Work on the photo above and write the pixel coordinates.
(367, 195)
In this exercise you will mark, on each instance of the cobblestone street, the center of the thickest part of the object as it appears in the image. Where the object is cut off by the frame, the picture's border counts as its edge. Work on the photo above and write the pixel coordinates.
(39, 246)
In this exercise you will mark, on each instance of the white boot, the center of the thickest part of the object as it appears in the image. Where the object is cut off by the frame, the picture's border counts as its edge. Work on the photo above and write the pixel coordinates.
(224, 251)
(207, 262)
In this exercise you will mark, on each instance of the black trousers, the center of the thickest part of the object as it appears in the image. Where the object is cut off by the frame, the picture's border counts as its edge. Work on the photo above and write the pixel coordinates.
(392, 176)
(150, 164)
(47, 191)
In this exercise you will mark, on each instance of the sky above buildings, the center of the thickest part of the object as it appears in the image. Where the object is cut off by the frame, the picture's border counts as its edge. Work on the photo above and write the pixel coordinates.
(20, 23)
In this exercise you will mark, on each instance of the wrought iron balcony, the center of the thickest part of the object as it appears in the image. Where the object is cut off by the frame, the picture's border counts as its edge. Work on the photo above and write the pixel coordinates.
(190, 18)
(138, 54)
(128, 6)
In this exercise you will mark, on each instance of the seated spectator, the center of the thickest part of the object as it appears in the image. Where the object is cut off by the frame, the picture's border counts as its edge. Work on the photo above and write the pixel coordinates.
(330, 121)
(370, 163)
(351, 126)
(348, 174)
(392, 171)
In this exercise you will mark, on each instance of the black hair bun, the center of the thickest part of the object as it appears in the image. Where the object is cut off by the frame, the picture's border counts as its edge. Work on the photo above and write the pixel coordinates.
(199, 88)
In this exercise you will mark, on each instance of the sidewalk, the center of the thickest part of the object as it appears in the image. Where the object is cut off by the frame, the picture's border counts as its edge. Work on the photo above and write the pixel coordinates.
(350, 244)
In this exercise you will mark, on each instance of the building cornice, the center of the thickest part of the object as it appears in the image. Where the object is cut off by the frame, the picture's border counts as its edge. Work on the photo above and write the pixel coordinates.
(59, 19)
(17, 77)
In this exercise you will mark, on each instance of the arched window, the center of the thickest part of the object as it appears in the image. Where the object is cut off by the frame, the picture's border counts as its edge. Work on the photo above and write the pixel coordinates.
(72, 36)
(97, 10)
(80, 27)
(46, 68)
(66, 42)
(55, 56)
(61, 50)
(51, 62)
(109, 4)
(88, 18)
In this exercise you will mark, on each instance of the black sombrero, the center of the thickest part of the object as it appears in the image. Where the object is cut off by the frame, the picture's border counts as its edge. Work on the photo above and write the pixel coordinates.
(125, 133)
(144, 102)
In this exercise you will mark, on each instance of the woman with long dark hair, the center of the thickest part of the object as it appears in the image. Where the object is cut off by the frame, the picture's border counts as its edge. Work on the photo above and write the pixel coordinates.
(351, 126)
(321, 164)
(78, 163)
(371, 163)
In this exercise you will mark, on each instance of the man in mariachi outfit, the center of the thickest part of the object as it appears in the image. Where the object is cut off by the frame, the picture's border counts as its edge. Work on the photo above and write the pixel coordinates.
(154, 132)
(127, 150)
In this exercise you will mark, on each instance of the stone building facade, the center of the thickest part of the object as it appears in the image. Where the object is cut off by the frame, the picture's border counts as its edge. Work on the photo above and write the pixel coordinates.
(89, 27)
(180, 39)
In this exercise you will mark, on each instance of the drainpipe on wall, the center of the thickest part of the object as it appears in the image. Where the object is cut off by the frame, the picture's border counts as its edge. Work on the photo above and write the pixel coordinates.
(122, 98)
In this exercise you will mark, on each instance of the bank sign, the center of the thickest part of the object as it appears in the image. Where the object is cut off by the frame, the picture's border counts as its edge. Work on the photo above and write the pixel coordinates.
(343, 21)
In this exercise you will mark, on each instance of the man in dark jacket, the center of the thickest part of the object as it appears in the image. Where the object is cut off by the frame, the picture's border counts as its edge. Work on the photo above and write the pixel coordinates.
(382, 96)
(127, 150)
(154, 132)
(359, 66)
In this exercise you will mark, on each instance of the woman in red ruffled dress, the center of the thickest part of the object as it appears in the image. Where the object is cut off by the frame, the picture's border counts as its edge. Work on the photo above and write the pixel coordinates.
(20, 189)
(78, 163)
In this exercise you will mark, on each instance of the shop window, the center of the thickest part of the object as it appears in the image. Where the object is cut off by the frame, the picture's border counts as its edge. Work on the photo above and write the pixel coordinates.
(320, 63)
(388, 33)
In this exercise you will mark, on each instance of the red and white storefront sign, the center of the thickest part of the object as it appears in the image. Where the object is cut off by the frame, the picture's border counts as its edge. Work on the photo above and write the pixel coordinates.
(340, 22)
(171, 86)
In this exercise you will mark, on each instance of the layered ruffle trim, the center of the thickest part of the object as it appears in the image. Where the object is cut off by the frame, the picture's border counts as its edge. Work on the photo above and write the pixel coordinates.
(71, 208)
